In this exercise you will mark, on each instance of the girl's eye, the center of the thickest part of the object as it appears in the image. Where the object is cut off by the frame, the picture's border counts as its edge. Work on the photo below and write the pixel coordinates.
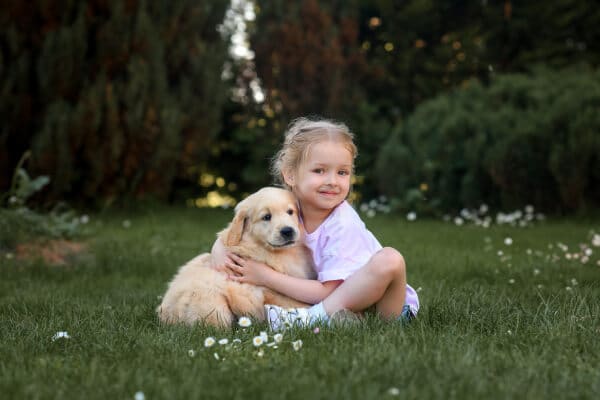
(343, 173)
(266, 217)
(290, 212)
(318, 170)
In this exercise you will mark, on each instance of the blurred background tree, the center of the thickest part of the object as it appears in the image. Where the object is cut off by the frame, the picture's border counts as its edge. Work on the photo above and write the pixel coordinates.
(122, 99)
(114, 98)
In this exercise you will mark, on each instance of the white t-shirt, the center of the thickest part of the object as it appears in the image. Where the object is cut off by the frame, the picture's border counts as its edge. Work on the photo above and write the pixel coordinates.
(342, 244)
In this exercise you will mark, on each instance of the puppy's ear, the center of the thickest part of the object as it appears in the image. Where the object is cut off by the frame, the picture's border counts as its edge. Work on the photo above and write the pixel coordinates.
(232, 235)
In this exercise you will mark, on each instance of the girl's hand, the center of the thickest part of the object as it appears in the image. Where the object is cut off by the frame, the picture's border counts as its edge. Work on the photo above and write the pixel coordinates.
(248, 270)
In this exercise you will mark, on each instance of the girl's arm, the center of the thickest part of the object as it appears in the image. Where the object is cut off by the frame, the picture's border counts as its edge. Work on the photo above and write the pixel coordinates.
(219, 256)
(305, 290)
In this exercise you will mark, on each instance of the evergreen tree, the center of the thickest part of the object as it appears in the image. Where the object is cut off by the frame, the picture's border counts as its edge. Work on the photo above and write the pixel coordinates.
(114, 98)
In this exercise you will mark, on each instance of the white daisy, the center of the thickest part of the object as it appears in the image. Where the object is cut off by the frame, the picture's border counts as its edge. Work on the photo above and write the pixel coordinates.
(191, 353)
(61, 335)
(264, 336)
(244, 322)
(297, 345)
(257, 341)
(209, 341)
(223, 341)
(278, 337)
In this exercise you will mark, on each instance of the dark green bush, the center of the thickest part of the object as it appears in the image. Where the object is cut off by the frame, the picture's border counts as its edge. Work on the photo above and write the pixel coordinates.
(524, 139)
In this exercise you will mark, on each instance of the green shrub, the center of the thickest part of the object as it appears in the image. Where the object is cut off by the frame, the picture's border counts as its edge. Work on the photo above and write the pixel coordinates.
(19, 223)
(525, 139)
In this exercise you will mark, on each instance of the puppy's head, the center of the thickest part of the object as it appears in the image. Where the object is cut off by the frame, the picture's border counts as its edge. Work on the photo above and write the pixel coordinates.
(268, 217)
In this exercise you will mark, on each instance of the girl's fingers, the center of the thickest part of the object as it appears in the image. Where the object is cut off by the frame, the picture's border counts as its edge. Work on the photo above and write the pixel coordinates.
(237, 259)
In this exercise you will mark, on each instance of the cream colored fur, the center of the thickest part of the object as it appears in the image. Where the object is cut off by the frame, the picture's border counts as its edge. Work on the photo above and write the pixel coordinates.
(199, 293)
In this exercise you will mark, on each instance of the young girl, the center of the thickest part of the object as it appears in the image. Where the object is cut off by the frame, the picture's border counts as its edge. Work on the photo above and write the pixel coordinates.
(354, 272)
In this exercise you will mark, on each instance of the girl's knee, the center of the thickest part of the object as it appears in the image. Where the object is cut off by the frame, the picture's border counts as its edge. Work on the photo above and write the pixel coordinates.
(389, 261)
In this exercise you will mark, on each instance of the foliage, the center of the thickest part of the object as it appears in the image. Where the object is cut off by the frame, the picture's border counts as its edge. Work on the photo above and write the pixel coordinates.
(113, 98)
(125, 99)
(19, 223)
(525, 139)
(524, 330)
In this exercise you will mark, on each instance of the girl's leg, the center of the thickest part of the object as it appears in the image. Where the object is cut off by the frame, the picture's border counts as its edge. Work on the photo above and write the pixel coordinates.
(382, 281)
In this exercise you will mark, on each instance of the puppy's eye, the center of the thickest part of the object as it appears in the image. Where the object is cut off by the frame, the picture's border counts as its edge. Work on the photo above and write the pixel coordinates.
(266, 217)
(290, 212)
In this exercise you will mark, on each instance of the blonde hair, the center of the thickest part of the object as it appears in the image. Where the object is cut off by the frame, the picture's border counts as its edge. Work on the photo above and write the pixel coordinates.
(301, 134)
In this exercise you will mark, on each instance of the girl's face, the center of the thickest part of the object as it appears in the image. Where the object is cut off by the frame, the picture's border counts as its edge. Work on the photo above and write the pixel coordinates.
(322, 181)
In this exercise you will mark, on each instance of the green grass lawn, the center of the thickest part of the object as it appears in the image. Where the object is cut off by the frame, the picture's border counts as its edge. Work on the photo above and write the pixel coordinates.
(523, 324)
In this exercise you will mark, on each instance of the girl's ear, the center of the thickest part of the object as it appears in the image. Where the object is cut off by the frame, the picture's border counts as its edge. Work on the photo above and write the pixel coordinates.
(288, 178)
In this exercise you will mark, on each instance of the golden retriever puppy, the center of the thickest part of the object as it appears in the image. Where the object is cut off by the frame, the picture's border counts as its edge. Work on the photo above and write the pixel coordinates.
(265, 228)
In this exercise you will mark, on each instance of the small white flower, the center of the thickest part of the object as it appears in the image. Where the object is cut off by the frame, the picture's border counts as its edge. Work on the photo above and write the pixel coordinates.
(9, 256)
(126, 224)
(539, 286)
(191, 353)
(509, 332)
(139, 396)
(596, 240)
(244, 322)
(84, 219)
(536, 271)
(260, 353)
(236, 341)
(216, 356)
(297, 345)
(411, 216)
(209, 341)
(574, 282)
(223, 341)
(13, 200)
(393, 391)
(511, 281)
(257, 341)
(278, 337)
(61, 335)
(529, 209)
(568, 288)
(508, 241)
(370, 213)
(419, 289)
(264, 336)
(500, 253)
(458, 221)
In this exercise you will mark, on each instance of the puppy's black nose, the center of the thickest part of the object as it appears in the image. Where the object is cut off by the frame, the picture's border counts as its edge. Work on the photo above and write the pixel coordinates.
(287, 233)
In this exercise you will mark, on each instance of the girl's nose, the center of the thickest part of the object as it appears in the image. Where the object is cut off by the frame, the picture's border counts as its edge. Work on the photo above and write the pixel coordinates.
(332, 178)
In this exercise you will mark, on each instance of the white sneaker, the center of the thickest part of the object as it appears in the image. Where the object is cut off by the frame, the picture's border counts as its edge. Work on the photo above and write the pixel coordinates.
(280, 318)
